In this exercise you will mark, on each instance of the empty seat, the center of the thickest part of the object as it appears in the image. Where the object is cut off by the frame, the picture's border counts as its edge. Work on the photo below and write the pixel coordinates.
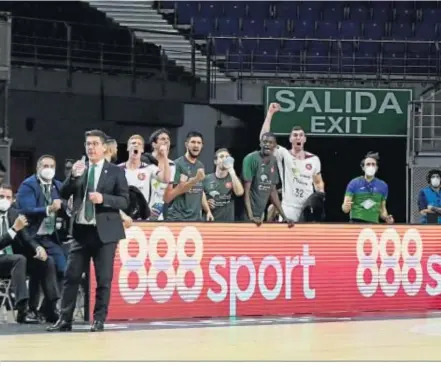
(304, 29)
(203, 26)
(221, 46)
(401, 30)
(234, 9)
(381, 12)
(289, 61)
(258, 10)
(350, 29)
(227, 26)
(252, 28)
(309, 10)
(209, 9)
(275, 28)
(264, 62)
(333, 11)
(247, 46)
(326, 30)
(185, 11)
(286, 10)
(373, 30)
(358, 12)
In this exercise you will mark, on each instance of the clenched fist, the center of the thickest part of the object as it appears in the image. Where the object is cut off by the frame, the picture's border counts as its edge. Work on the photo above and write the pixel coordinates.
(273, 108)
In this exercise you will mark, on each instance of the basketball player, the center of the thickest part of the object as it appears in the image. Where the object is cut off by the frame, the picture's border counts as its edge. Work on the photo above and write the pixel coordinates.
(139, 174)
(300, 171)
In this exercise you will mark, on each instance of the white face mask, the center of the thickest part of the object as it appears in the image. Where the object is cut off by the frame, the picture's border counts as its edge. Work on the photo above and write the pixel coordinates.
(4, 204)
(435, 182)
(47, 173)
(370, 171)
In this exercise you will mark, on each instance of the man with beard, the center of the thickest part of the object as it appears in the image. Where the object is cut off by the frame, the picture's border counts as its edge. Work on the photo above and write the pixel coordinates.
(185, 198)
(261, 177)
(300, 171)
(220, 185)
(139, 174)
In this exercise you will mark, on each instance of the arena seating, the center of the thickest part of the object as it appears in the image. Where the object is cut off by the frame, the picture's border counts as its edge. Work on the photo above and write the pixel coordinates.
(318, 36)
(40, 33)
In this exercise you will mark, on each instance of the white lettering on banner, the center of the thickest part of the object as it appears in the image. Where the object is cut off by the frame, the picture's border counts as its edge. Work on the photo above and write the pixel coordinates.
(229, 286)
(368, 262)
(175, 280)
(244, 262)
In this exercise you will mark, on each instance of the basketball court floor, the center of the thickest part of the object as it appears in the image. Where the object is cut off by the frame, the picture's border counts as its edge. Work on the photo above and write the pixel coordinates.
(413, 337)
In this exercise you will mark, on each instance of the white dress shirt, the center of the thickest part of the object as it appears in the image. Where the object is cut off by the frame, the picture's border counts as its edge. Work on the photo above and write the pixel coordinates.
(81, 215)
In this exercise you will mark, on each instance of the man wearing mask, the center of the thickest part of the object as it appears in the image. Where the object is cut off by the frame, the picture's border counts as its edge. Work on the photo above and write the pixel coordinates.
(366, 196)
(261, 177)
(220, 186)
(429, 199)
(186, 196)
(21, 255)
(38, 198)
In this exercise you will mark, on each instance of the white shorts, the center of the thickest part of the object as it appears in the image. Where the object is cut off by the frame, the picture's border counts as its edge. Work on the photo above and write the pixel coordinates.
(292, 213)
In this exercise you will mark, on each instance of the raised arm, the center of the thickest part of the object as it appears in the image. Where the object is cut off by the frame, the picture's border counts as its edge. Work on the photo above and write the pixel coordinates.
(266, 127)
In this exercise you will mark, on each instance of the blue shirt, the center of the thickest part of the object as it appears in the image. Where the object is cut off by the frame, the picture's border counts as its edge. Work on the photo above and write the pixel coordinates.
(429, 197)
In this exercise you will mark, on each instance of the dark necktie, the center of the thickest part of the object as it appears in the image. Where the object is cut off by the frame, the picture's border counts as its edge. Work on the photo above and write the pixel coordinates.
(8, 249)
(50, 220)
(88, 210)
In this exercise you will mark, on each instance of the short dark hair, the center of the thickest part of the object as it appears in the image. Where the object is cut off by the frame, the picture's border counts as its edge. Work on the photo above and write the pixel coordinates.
(297, 128)
(46, 156)
(96, 133)
(218, 151)
(7, 186)
(268, 134)
(111, 141)
(155, 135)
(194, 134)
(431, 173)
(371, 155)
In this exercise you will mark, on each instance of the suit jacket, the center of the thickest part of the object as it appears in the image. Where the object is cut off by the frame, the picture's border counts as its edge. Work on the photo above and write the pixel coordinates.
(112, 184)
(23, 243)
(31, 202)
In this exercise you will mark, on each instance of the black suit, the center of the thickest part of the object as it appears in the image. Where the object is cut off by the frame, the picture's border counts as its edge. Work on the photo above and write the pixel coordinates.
(97, 242)
(22, 261)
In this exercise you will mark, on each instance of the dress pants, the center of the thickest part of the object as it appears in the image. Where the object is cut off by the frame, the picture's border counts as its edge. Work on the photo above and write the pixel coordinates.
(13, 266)
(88, 245)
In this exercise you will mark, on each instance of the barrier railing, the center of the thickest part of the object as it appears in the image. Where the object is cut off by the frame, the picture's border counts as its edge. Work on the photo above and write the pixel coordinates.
(72, 46)
(249, 57)
(206, 270)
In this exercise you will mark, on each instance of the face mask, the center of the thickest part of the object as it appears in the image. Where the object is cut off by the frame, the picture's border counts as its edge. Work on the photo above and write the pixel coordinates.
(4, 204)
(370, 171)
(47, 173)
(435, 182)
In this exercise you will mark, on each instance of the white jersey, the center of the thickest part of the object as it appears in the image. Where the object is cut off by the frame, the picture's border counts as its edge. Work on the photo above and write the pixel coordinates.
(141, 177)
(156, 202)
(297, 176)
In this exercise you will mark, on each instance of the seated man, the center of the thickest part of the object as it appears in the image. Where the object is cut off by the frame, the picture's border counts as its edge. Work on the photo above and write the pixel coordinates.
(20, 254)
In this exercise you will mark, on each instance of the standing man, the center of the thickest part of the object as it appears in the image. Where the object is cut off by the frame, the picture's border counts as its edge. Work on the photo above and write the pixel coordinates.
(429, 199)
(99, 192)
(220, 186)
(261, 177)
(160, 138)
(185, 198)
(140, 174)
(366, 196)
(300, 171)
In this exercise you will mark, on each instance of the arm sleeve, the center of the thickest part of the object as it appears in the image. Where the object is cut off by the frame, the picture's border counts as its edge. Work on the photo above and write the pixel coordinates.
(386, 192)
(248, 169)
(177, 175)
(27, 202)
(422, 201)
(280, 152)
(350, 189)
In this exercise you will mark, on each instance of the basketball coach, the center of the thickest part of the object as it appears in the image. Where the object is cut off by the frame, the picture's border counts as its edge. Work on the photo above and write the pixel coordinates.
(99, 191)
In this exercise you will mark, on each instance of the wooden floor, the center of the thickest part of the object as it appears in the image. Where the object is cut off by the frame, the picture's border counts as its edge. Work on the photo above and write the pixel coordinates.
(408, 339)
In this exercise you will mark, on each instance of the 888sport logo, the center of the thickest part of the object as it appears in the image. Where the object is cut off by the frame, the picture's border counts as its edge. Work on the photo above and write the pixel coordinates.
(388, 261)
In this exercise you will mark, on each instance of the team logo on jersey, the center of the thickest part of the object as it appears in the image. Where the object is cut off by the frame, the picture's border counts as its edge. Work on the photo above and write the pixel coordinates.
(228, 185)
(141, 176)
(308, 166)
(272, 169)
(214, 194)
(264, 178)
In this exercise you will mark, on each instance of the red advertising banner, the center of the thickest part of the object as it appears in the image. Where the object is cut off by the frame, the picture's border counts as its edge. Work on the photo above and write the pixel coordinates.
(182, 270)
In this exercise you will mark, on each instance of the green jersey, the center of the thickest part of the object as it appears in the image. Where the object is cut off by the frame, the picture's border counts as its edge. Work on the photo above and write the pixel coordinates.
(367, 198)
(187, 206)
(262, 176)
(221, 191)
